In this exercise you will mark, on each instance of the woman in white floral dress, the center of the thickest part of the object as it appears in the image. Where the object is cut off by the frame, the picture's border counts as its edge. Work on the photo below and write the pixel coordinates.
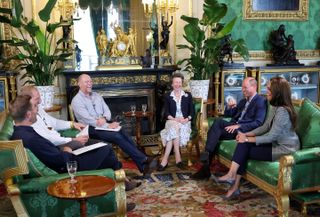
(179, 111)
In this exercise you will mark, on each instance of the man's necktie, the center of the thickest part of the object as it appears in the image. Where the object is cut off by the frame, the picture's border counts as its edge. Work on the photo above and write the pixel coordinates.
(244, 110)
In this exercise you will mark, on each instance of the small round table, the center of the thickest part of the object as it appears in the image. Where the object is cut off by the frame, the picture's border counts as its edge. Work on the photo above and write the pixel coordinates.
(138, 115)
(87, 186)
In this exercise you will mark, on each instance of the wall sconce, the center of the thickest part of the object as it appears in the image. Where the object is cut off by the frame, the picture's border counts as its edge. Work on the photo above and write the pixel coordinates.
(163, 6)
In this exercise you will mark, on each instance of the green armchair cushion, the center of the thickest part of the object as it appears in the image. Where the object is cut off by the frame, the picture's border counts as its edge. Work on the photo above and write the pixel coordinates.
(308, 127)
(37, 168)
(7, 129)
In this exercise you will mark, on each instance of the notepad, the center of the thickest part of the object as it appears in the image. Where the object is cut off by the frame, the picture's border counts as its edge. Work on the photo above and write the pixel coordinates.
(89, 148)
(84, 132)
(109, 129)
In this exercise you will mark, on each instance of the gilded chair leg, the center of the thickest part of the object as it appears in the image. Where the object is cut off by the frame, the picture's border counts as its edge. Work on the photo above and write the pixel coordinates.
(283, 205)
(304, 210)
(196, 142)
(189, 148)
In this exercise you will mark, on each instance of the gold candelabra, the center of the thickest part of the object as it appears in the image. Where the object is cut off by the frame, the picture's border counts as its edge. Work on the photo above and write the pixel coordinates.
(163, 6)
(67, 8)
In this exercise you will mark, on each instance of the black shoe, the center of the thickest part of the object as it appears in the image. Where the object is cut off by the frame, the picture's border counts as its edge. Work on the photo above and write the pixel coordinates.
(202, 174)
(130, 206)
(180, 165)
(162, 168)
(150, 164)
(130, 185)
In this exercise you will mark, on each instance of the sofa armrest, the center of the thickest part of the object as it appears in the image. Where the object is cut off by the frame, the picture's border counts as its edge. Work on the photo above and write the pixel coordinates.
(307, 155)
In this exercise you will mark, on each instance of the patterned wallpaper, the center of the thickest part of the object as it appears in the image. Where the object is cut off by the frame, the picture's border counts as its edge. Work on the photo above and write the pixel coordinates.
(306, 33)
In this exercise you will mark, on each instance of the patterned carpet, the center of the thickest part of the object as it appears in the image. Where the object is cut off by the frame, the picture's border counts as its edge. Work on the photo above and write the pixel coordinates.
(172, 193)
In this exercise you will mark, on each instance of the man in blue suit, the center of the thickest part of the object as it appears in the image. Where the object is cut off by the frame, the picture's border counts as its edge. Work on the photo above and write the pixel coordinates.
(247, 115)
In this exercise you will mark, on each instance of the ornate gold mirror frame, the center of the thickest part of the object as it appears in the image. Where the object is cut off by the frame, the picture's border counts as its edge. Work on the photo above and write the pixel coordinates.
(298, 15)
(5, 31)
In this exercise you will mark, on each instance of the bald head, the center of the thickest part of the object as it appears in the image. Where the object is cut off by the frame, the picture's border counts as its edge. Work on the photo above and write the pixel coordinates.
(33, 92)
(85, 84)
(249, 87)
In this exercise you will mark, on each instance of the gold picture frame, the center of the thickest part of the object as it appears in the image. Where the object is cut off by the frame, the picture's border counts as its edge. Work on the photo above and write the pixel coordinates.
(249, 13)
(4, 94)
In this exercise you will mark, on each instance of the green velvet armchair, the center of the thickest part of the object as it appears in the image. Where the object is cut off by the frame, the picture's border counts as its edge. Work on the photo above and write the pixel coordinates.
(26, 180)
(296, 173)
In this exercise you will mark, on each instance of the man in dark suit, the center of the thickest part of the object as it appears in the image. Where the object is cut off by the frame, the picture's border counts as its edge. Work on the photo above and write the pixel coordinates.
(24, 113)
(247, 115)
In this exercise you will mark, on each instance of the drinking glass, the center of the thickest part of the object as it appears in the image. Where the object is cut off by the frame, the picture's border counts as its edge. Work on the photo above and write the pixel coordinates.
(220, 109)
(144, 108)
(72, 167)
(133, 109)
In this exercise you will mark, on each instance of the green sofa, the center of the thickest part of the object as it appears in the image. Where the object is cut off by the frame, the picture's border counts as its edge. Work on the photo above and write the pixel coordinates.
(26, 180)
(296, 173)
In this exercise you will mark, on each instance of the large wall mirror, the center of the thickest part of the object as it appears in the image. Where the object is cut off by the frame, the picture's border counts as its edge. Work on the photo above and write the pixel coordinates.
(108, 14)
(276, 10)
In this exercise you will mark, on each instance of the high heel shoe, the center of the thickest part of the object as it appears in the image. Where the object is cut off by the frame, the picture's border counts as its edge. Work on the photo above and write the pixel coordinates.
(234, 195)
(162, 168)
(218, 181)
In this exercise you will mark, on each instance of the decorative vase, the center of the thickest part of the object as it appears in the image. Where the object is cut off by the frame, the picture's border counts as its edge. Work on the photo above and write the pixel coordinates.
(47, 96)
(199, 88)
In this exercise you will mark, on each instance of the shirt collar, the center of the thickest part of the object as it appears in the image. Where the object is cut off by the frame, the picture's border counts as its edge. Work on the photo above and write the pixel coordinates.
(249, 100)
(182, 93)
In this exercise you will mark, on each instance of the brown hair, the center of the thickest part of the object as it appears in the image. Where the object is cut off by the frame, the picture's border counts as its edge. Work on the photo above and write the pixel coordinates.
(281, 96)
(177, 75)
(19, 106)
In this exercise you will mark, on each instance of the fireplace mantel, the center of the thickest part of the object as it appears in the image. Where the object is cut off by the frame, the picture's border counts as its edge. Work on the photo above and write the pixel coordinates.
(123, 81)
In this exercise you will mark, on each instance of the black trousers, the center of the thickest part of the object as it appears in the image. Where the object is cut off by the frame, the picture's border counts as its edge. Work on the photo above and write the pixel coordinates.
(246, 151)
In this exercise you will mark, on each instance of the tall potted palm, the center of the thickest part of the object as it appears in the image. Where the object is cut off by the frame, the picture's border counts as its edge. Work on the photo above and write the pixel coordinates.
(205, 39)
(35, 49)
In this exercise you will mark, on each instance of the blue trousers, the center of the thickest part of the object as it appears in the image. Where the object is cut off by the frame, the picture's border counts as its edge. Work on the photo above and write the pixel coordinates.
(216, 133)
(245, 151)
(123, 141)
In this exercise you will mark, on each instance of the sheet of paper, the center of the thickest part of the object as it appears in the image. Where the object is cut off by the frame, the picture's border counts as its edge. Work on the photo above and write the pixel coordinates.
(89, 148)
(84, 132)
(109, 129)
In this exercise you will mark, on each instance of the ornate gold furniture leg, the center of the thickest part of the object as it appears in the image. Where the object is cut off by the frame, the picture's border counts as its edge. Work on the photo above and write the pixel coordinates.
(284, 185)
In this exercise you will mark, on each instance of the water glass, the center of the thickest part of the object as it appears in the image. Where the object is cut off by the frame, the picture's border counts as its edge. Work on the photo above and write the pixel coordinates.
(220, 109)
(72, 167)
(133, 109)
(144, 108)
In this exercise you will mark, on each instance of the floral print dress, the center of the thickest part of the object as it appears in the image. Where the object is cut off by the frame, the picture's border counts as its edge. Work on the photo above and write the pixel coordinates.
(174, 129)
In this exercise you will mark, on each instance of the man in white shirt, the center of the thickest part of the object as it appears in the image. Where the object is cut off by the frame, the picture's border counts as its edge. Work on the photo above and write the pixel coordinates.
(48, 126)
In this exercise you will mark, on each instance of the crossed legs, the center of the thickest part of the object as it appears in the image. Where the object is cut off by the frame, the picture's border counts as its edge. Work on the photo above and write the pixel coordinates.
(243, 152)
